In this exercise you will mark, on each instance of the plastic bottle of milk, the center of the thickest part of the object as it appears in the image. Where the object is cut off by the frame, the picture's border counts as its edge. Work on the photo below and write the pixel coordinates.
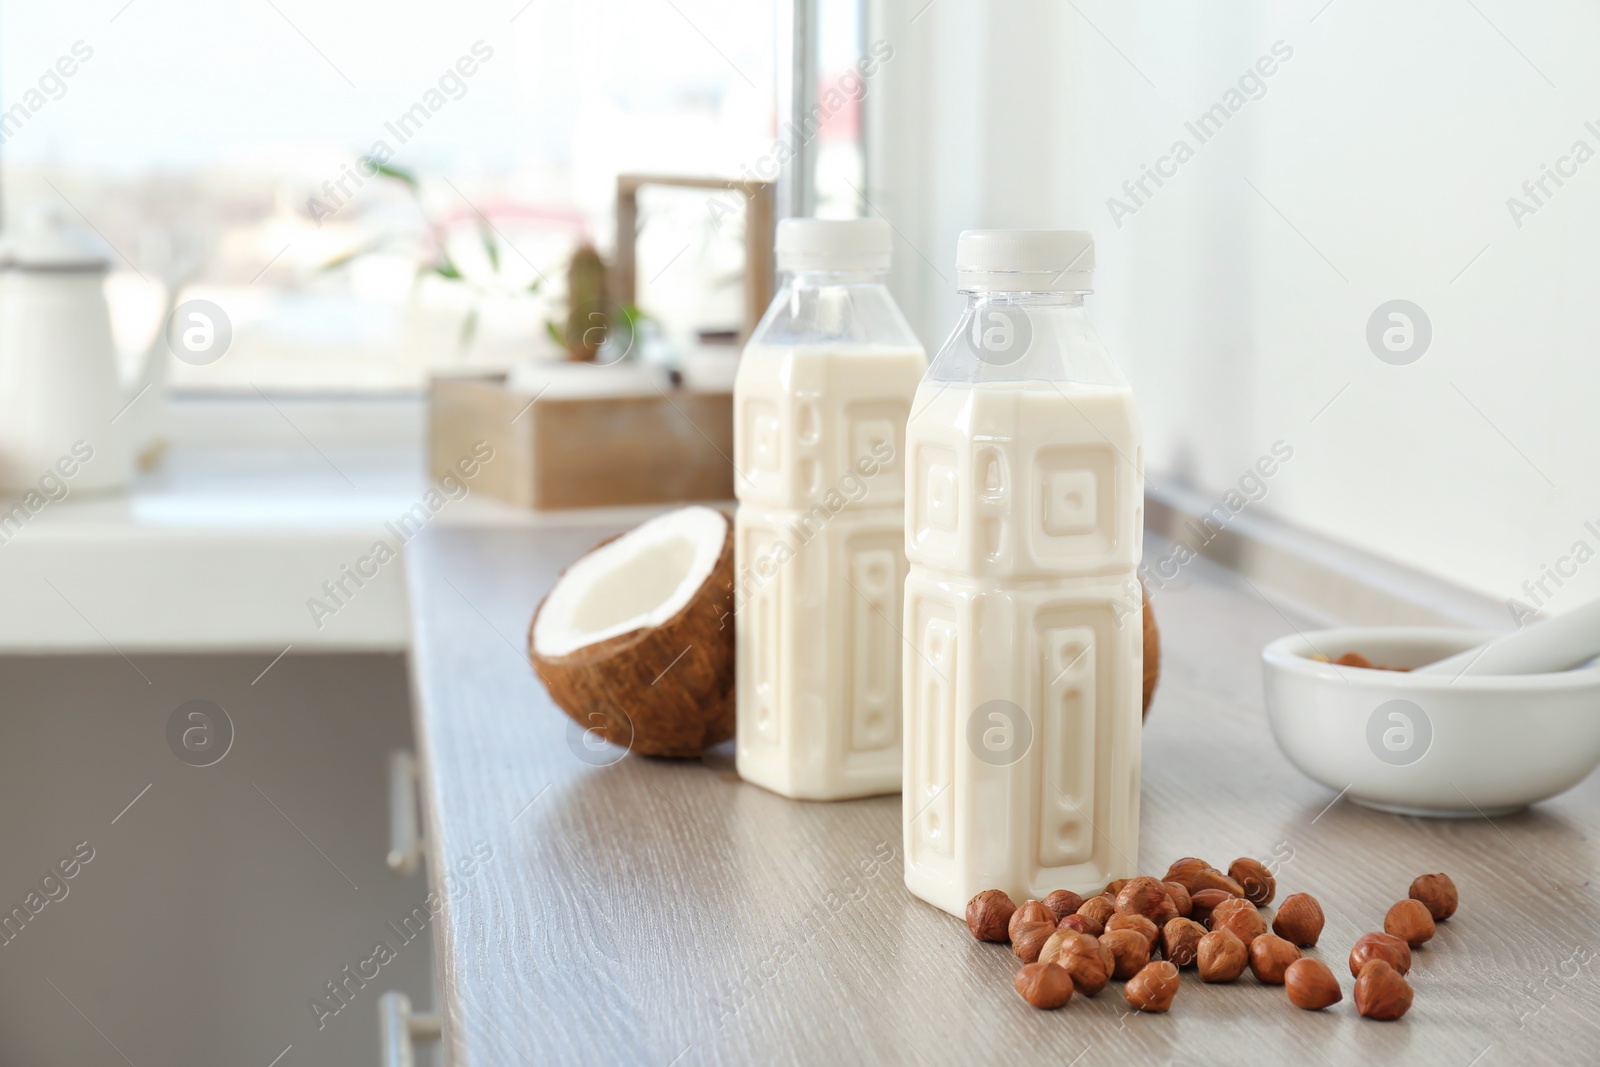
(1024, 521)
(820, 406)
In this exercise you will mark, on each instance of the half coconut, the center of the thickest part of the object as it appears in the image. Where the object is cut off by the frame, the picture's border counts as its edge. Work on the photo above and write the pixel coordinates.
(635, 640)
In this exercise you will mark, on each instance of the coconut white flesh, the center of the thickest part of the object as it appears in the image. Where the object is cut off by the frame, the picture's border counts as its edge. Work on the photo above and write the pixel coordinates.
(638, 581)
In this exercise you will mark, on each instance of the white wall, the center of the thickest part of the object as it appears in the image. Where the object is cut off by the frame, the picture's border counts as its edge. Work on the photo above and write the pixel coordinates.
(1376, 166)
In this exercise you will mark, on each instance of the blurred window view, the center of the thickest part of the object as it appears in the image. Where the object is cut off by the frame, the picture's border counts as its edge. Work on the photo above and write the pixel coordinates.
(843, 52)
(374, 191)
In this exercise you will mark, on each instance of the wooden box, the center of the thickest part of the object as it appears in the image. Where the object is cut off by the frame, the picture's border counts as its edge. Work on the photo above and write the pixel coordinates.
(584, 452)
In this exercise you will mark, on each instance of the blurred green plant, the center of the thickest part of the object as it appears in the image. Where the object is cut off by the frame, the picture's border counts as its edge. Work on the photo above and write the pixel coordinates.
(439, 262)
(595, 326)
(599, 328)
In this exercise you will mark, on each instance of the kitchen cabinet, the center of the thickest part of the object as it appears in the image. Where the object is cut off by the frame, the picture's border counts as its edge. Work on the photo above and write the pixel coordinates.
(213, 898)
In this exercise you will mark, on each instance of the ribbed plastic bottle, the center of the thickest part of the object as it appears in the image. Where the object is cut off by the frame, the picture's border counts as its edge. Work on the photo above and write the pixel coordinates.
(821, 400)
(1024, 644)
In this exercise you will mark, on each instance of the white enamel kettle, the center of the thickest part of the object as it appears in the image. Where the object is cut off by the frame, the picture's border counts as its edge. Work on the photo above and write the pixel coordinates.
(61, 392)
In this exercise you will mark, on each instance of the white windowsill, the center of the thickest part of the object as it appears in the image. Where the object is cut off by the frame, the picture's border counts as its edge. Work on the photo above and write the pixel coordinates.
(222, 544)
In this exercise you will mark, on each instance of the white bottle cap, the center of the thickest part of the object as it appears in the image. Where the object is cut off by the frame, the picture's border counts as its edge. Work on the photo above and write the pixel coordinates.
(1032, 261)
(833, 244)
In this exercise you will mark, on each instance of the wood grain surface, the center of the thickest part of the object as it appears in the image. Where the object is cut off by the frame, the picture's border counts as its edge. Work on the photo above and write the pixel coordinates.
(582, 452)
(666, 913)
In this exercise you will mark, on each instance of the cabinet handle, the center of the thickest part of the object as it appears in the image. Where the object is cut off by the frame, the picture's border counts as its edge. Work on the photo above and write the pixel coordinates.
(405, 839)
(399, 1028)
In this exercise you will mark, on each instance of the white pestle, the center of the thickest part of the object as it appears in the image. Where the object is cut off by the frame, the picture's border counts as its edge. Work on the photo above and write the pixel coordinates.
(1553, 645)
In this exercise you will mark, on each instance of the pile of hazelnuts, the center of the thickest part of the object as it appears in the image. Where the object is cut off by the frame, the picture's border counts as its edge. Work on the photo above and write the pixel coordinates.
(1143, 931)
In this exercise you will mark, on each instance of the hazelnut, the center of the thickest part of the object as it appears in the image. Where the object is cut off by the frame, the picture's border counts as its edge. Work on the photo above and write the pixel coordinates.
(1137, 923)
(1129, 951)
(1270, 956)
(1089, 973)
(989, 915)
(1311, 985)
(1056, 943)
(1299, 920)
(1165, 912)
(1044, 985)
(1180, 941)
(1063, 902)
(1085, 945)
(1153, 988)
(1221, 956)
(1203, 901)
(1088, 962)
(1217, 880)
(1183, 871)
(1393, 951)
(1381, 993)
(1438, 892)
(1253, 877)
(1029, 911)
(1410, 921)
(1108, 957)
(1142, 896)
(1113, 887)
(1241, 917)
(1098, 908)
(1180, 898)
(1028, 939)
(1082, 924)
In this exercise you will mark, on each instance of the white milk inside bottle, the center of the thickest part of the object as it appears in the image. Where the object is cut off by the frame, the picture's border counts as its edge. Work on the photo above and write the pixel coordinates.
(1024, 528)
(820, 406)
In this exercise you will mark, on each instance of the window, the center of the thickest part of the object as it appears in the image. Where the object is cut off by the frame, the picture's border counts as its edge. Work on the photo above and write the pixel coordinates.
(220, 147)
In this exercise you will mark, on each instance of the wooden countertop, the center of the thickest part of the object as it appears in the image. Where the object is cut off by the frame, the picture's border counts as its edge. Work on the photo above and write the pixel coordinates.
(666, 913)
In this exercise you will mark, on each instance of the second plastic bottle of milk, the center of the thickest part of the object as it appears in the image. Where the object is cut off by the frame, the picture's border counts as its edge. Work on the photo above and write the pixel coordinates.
(820, 406)
(1024, 516)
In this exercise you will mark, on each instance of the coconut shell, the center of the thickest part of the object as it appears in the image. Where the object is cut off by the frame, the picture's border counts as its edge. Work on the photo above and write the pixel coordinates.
(666, 690)
(1152, 653)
